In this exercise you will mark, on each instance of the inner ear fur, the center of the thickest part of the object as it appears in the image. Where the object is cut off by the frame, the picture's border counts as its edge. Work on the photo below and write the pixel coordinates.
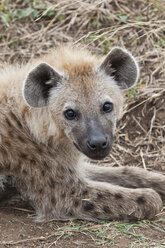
(38, 84)
(120, 64)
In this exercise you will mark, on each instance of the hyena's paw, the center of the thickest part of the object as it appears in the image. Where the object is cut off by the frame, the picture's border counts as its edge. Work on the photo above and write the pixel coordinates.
(121, 204)
(148, 204)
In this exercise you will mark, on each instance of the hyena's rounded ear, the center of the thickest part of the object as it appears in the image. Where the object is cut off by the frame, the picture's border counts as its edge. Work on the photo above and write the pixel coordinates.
(38, 84)
(120, 64)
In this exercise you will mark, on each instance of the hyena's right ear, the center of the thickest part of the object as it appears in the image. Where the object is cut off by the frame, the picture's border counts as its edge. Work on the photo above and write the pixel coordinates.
(38, 84)
(120, 64)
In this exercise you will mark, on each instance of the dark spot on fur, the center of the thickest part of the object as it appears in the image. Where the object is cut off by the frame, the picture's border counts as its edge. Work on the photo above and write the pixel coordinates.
(17, 167)
(23, 155)
(32, 162)
(7, 143)
(63, 195)
(53, 200)
(73, 191)
(17, 121)
(141, 200)
(137, 180)
(7, 166)
(71, 181)
(70, 213)
(45, 164)
(107, 194)
(49, 152)
(121, 217)
(155, 185)
(76, 203)
(118, 196)
(10, 134)
(43, 173)
(41, 191)
(50, 142)
(112, 178)
(24, 172)
(84, 192)
(39, 149)
(51, 183)
(8, 122)
(1, 167)
(79, 181)
(99, 195)
(21, 139)
(88, 206)
(95, 214)
(3, 151)
(33, 142)
(106, 209)
(32, 181)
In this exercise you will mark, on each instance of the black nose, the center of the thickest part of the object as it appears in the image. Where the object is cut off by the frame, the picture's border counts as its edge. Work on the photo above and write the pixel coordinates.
(98, 143)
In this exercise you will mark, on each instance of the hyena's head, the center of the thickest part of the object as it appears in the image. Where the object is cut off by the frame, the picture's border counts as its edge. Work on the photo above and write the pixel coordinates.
(86, 98)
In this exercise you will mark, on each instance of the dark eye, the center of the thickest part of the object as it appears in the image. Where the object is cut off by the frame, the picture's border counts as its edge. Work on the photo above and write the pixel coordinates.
(70, 114)
(107, 107)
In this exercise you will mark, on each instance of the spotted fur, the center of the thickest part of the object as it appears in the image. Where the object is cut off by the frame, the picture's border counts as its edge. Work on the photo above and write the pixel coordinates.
(43, 153)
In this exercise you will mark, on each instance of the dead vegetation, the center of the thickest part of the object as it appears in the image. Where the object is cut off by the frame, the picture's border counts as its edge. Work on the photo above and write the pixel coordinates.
(31, 27)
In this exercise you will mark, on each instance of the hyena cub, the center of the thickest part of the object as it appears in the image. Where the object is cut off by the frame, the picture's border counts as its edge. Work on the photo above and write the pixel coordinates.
(55, 110)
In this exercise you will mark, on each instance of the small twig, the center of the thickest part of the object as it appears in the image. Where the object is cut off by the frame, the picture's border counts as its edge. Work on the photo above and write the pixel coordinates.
(22, 209)
(143, 161)
(138, 123)
(117, 162)
(149, 98)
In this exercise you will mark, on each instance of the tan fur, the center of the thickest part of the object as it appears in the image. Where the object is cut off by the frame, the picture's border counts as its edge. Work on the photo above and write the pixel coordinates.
(47, 167)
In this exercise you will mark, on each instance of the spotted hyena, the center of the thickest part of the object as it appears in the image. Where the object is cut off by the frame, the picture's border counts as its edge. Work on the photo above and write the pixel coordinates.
(55, 111)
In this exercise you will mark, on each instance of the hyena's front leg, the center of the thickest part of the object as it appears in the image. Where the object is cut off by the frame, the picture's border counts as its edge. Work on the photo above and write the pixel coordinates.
(105, 201)
(130, 177)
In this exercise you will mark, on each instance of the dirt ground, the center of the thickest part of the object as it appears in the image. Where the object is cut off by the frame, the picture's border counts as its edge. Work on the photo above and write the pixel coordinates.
(30, 28)
(18, 230)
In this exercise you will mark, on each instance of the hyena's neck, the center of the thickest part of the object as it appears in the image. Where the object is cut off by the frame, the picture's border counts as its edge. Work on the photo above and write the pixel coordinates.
(42, 126)
(45, 131)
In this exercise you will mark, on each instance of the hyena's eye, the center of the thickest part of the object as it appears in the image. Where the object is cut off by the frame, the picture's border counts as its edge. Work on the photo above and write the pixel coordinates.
(70, 114)
(107, 107)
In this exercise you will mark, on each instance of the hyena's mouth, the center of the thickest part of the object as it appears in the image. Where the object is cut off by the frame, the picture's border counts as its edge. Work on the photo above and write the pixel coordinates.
(96, 155)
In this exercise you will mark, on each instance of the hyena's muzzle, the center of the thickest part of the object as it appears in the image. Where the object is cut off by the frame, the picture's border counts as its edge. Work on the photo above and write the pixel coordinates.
(96, 141)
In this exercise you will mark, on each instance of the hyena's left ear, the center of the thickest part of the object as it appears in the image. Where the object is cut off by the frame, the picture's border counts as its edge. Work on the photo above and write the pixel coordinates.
(120, 64)
(39, 83)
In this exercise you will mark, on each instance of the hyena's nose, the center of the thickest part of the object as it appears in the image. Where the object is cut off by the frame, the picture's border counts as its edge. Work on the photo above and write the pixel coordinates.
(96, 144)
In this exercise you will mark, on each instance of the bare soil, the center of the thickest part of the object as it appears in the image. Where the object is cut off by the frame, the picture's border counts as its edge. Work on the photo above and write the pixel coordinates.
(18, 230)
(30, 28)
